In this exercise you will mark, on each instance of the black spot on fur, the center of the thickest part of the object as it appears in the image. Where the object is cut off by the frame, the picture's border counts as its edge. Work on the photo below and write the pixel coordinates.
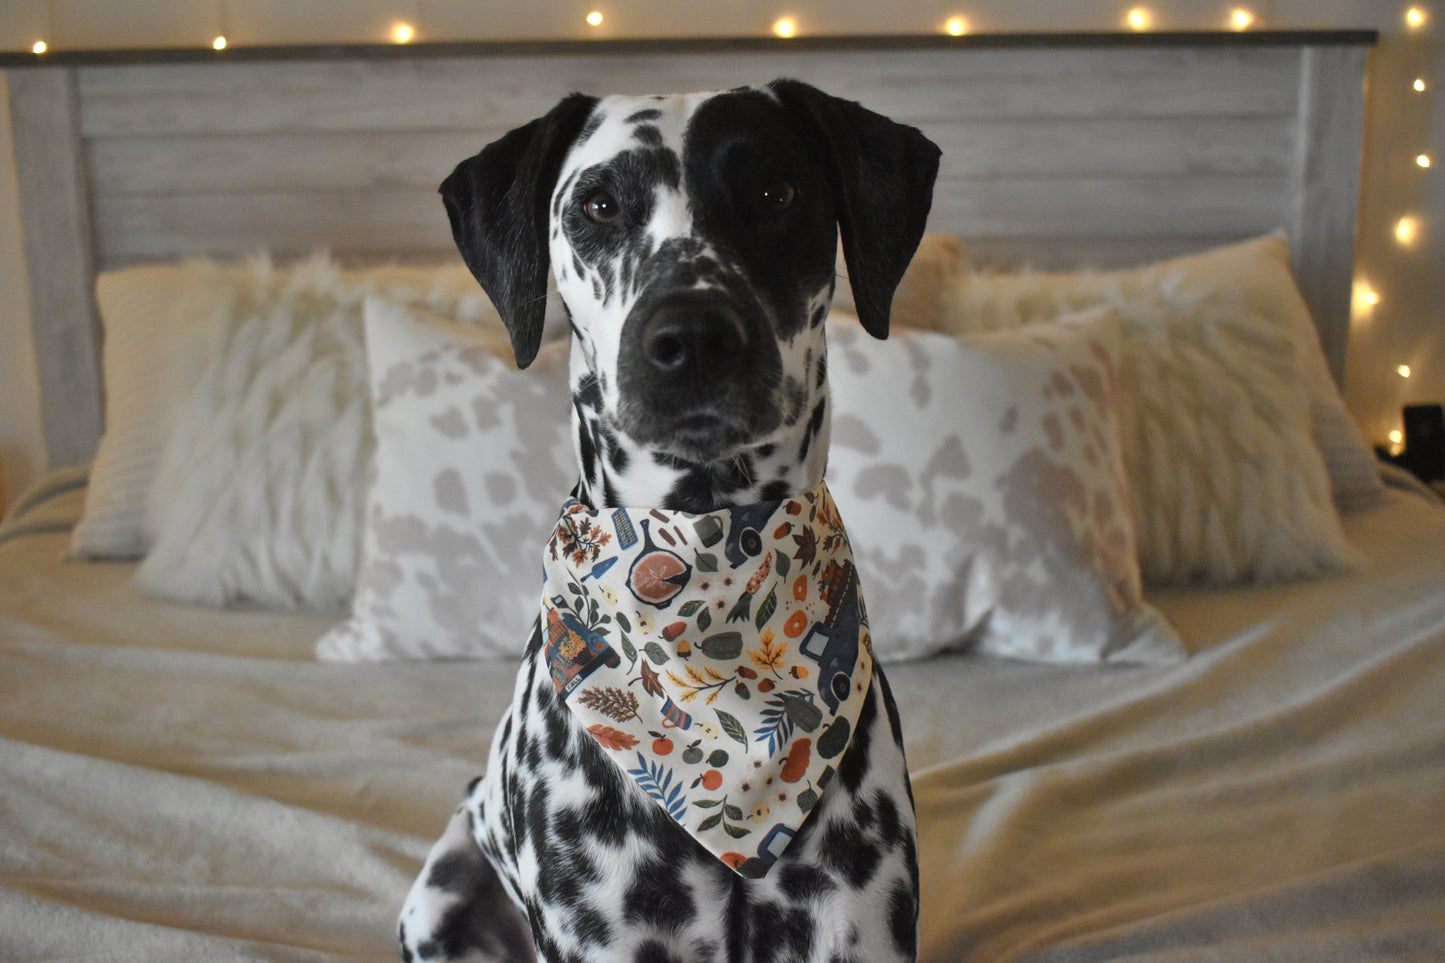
(855, 856)
(903, 919)
(890, 826)
(802, 883)
(654, 952)
(644, 115)
(863, 814)
(486, 920)
(572, 866)
(702, 488)
(815, 426)
(775, 491)
(593, 124)
(891, 708)
(781, 934)
(453, 873)
(648, 135)
(739, 922)
(561, 195)
(591, 926)
(559, 734)
(853, 768)
(618, 458)
(656, 899)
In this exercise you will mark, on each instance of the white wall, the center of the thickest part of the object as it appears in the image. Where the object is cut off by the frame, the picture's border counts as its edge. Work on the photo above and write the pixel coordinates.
(1407, 326)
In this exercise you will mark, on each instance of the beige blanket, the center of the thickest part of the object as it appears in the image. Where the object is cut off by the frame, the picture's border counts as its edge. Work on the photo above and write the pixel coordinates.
(179, 784)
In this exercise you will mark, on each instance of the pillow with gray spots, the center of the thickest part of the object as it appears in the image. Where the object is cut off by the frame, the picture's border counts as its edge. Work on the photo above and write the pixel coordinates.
(983, 486)
(980, 481)
(473, 460)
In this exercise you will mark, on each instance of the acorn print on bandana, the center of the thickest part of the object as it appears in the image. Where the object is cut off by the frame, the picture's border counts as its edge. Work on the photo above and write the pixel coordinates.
(720, 659)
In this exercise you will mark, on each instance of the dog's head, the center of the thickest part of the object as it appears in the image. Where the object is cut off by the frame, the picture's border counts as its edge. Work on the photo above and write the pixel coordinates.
(692, 238)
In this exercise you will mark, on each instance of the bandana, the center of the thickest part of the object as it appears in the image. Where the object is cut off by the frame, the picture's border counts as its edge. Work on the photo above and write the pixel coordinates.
(719, 659)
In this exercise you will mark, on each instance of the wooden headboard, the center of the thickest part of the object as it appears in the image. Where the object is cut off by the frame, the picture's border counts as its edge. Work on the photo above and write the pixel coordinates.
(1059, 151)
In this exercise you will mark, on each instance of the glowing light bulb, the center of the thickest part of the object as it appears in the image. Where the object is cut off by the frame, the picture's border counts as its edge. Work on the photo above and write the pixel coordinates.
(403, 33)
(1397, 440)
(1406, 230)
(1423, 160)
(1416, 17)
(1139, 18)
(785, 27)
(1403, 371)
(1419, 85)
(595, 18)
(1241, 18)
(956, 26)
(40, 47)
(218, 44)
(1365, 297)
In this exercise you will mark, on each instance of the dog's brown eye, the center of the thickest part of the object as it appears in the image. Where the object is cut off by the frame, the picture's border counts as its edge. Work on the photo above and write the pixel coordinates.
(602, 207)
(778, 196)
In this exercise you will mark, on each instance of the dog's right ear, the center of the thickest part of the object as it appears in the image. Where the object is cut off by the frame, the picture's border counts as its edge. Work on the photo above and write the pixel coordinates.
(497, 203)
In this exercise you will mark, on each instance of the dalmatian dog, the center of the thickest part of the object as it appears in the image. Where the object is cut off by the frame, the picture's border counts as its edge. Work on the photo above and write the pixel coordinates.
(693, 242)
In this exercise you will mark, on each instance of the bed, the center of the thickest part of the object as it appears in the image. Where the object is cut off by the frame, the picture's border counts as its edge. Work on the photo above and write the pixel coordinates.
(1176, 699)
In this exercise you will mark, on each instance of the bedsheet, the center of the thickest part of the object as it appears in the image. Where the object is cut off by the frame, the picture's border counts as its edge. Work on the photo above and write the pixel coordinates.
(178, 783)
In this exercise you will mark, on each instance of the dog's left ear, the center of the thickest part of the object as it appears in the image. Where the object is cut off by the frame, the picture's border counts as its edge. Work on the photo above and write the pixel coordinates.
(882, 176)
(497, 203)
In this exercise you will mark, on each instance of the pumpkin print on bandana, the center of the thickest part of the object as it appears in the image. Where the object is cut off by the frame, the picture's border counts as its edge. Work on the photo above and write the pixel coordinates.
(720, 659)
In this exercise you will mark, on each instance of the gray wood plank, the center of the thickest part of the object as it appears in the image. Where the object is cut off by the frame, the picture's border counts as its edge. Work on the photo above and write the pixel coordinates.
(497, 92)
(976, 150)
(375, 221)
(59, 259)
(1325, 191)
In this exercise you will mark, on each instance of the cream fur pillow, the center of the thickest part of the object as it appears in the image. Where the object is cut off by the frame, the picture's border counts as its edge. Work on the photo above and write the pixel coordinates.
(182, 308)
(1224, 387)
(921, 296)
(265, 446)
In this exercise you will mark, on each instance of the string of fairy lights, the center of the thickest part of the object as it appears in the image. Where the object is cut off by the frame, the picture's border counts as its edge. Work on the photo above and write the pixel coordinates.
(1140, 18)
(1409, 227)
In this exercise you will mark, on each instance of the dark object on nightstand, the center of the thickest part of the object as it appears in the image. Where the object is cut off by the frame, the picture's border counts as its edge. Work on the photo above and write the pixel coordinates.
(1424, 454)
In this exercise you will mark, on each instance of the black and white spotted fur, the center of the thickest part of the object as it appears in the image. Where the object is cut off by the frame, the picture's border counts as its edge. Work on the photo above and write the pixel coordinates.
(692, 238)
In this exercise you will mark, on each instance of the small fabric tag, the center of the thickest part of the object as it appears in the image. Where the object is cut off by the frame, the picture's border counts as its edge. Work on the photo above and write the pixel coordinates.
(720, 659)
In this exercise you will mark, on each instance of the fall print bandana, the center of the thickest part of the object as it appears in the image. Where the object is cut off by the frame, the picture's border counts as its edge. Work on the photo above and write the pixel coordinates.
(720, 659)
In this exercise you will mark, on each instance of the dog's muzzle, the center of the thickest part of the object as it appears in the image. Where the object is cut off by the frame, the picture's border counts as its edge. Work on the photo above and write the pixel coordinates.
(699, 374)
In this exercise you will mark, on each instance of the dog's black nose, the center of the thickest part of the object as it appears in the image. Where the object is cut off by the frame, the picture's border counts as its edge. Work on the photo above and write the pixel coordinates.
(687, 334)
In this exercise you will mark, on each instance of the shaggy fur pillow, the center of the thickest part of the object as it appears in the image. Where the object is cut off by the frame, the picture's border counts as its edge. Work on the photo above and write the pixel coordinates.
(265, 450)
(1224, 388)
(164, 326)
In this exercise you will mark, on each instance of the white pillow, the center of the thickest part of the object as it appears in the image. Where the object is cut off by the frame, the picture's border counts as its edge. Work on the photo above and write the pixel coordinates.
(473, 462)
(1234, 434)
(163, 326)
(984, 493)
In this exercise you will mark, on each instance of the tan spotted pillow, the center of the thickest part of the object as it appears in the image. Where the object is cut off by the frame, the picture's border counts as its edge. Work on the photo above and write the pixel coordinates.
(983, 486)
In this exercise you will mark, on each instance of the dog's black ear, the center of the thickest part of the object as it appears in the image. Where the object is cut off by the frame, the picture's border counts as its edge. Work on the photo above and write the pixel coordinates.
(497, 204)
(882, 174)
